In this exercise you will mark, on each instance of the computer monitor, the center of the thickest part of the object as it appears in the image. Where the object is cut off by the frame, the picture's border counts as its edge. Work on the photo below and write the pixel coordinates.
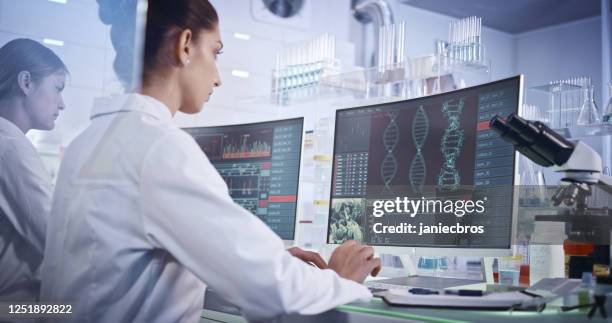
(260, 162)
(437, 147)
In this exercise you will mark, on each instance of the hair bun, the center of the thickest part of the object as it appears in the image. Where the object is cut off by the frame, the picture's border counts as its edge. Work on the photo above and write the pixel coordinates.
(114, 11)
(121, 16)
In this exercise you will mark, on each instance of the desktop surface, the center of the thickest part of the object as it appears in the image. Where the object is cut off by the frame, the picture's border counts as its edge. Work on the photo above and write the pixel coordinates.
(378, 311)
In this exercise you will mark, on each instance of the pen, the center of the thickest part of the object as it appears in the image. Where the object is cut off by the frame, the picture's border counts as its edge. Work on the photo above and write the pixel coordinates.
(464, 292)
(423, 291)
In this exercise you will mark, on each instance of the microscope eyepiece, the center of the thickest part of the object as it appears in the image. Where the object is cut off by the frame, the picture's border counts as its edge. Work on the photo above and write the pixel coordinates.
(533, 139)
(523, 128)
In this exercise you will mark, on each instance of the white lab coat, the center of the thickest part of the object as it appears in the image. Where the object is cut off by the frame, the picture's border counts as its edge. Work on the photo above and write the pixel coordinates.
(25, 202)
(141, 219)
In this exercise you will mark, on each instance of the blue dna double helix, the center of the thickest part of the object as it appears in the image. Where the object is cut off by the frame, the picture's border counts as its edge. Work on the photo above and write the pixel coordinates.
(420, 130)
(388, 167)
(450, 146)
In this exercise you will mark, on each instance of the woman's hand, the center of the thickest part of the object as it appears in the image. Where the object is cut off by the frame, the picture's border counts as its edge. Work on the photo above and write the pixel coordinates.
(308, 257)
(354, 261)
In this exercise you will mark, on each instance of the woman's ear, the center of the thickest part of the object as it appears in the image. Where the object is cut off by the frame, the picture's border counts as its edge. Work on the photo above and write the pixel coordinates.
(24, 79)
(183, 49)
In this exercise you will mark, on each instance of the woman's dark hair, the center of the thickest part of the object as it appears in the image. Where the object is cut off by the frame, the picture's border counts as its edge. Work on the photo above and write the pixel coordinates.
(21, 55)
(164, 19)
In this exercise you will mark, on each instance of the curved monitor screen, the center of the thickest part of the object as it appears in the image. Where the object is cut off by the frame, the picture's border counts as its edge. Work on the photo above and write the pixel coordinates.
(260, 162)
(397, 165)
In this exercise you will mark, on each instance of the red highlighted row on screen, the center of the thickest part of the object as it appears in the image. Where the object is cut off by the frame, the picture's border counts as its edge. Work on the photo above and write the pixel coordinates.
(278, 199)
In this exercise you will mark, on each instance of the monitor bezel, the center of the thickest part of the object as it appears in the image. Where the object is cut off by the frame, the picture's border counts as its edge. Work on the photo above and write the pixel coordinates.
(287, 242)
(438, 250)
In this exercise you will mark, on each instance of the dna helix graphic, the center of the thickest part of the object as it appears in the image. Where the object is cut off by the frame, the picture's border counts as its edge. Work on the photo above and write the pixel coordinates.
(418, 170)
(388, 167)
(451, 143)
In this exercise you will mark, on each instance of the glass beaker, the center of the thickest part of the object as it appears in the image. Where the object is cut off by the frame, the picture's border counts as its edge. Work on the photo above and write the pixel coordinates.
(434, 266)
(589, 114)
(509, 270)
(607, 116)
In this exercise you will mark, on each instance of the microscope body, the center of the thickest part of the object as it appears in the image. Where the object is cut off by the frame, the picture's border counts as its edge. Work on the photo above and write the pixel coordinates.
(580, 163)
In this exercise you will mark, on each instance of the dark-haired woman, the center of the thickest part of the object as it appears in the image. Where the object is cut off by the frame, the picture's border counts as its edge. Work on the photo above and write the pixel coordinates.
(141, 219)
(32, 78)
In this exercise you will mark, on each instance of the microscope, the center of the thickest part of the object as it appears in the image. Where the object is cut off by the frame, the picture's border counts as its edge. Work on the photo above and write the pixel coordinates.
(581, 166)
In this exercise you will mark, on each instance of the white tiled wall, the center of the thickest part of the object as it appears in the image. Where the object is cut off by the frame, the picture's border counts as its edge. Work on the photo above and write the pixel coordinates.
(75, 21)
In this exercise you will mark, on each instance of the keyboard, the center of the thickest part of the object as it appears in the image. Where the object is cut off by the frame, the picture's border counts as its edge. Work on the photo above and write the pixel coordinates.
(406, 283)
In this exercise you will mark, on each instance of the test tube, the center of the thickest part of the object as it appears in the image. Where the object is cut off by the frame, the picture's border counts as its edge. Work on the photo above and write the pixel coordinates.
(392, 45)
(455, 38)
(276, 74)
(389, 50)
(381, 47)
(450, 37)
(402, 41)
(389, 45)
(461, 37)
(473, 39)
(333, 52)
(466, 37)
(452, 40)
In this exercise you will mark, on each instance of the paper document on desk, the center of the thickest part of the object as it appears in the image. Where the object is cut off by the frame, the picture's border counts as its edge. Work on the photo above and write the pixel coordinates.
(500, 301)
(551, 288)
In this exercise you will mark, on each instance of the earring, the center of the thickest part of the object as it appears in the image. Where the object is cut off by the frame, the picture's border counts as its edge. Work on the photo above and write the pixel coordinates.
(187, 62)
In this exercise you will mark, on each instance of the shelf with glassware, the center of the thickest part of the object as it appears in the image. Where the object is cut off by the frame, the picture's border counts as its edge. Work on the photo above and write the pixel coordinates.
(415, 78)
(569, 107)
(309, 70)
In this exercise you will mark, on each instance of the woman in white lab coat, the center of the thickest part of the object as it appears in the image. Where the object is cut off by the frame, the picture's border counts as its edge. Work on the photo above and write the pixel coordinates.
(32, 78)
(141, 219)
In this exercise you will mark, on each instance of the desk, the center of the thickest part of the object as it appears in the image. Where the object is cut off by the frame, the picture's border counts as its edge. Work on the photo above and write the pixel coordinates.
(378, 311)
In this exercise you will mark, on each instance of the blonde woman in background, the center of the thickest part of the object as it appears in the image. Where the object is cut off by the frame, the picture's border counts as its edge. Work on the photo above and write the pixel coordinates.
(32, 79)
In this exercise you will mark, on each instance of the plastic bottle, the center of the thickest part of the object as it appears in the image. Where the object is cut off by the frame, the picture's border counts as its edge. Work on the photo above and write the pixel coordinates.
(584, 292)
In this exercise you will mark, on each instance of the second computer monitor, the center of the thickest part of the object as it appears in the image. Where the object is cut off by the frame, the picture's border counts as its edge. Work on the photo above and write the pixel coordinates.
(437, 147)
(260, 162)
